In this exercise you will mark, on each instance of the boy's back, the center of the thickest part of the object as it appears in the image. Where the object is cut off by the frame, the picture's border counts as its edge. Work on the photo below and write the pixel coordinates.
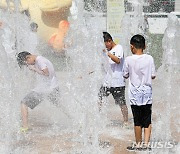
(140, 69)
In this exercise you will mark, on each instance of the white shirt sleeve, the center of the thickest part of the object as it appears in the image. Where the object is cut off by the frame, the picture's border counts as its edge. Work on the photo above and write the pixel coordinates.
(42, 64)
(119, 52)
(125, 69)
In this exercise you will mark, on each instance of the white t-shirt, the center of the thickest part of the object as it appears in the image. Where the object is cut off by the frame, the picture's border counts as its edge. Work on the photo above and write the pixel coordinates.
(45, 84)
(116, 79)
(139, 69)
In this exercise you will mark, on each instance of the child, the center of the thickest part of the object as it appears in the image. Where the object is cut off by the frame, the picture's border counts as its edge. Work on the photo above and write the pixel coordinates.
(116, 86)
(47, 83)
(140, 70)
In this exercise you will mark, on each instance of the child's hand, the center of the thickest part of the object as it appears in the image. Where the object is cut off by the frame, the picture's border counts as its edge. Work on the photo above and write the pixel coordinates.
(42, 72)
(105, 51)
(31, 67)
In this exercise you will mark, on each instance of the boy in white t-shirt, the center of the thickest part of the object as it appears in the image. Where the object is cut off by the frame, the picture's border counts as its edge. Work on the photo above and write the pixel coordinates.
(140, 70)
(114, 82)
(47, 84)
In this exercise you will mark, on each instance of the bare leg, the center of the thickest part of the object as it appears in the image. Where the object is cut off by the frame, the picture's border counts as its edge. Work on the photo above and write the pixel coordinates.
(124, 111)
(24, 113)
(147, 134)
(138, 134)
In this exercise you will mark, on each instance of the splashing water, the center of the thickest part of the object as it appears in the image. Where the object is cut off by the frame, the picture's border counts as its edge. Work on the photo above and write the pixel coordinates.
(80, 86)
(134, 22)
(85, 79)
(168, 77)
(74, 125)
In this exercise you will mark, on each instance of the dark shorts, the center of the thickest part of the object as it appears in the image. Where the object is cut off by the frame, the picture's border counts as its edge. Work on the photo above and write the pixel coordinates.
(118, 94)
(142, 115)
(33, 98)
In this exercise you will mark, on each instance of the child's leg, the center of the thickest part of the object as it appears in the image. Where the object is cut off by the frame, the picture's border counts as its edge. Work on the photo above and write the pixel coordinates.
(24, 113)
(103, 92)
(31, 100)
(138, 134)
(147, 122)
(137, 116)
(147, 134)
(124, 111)
(119, 96)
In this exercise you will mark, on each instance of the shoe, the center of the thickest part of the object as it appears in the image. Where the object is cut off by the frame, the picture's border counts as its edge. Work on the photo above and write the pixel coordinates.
(24, 130)
(133, 147)
(146, 148)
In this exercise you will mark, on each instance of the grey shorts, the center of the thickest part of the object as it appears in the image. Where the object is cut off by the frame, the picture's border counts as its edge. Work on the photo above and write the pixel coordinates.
(33, 98)
(118, 94)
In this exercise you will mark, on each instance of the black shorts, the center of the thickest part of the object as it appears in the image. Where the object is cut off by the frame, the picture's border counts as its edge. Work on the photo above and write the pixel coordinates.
(142, 115)
(118, 94)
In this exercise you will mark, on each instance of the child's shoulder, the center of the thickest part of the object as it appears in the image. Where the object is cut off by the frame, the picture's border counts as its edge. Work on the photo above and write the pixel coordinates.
(144, 56)
(117, 47)
(41, 59)
(129, 57)
(148, 56)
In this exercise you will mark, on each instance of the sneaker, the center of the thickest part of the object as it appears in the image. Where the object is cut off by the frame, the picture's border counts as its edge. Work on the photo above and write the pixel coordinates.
(133, 147)
(146, 148)
(24, 130)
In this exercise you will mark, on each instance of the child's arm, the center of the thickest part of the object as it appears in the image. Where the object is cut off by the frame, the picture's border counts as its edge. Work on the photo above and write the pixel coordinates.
(125, 70)
(113, 57)
(45, 72)
(153, 76)
(42, 72)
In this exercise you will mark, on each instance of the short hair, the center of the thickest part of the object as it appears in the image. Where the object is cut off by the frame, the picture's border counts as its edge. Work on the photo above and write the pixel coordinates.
(21, 58)
(107, 36)
(33, 26)
(138, 41)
